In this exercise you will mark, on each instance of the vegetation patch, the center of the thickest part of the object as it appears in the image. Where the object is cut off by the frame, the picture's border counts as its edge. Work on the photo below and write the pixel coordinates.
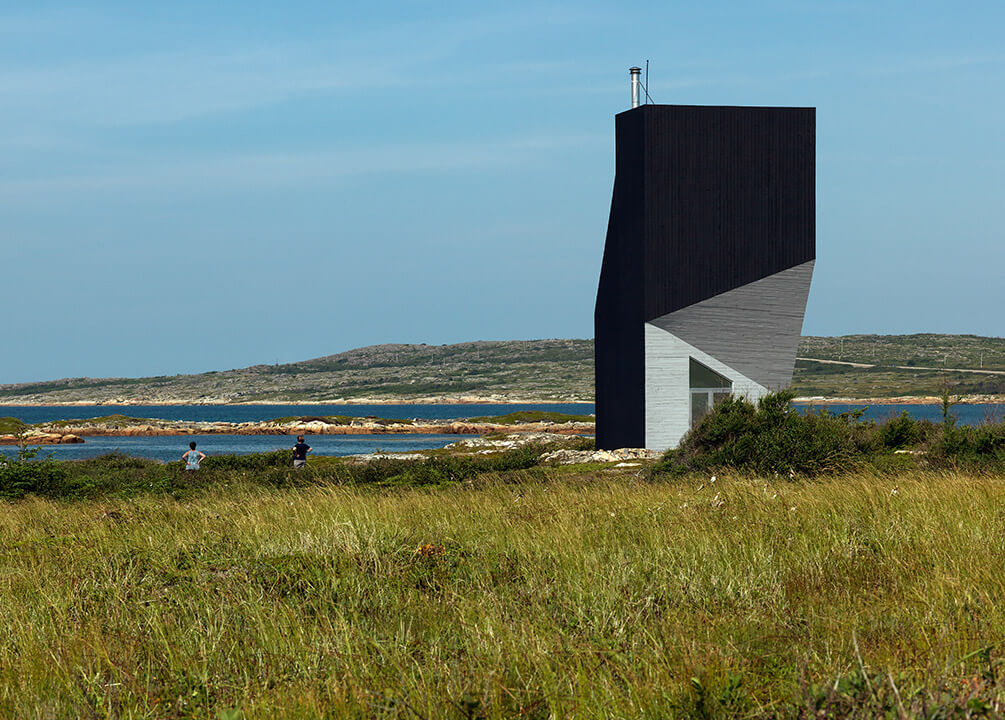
(771, 438)
(532, 416)
(522, 593)
(115, 420)
(11, 426)
(338, 420)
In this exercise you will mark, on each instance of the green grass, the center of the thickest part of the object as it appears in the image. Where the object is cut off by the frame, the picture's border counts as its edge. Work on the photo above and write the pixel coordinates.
(338, 420)
(918, 350)
(813, 379)
(114, 419)
(532, 416)
(516, 594)
(11, 426)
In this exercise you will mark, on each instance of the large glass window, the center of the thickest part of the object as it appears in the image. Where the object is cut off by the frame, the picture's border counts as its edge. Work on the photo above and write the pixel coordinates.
(708, 389)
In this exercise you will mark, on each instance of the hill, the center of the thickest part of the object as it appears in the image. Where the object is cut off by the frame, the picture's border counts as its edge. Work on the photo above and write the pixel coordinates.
(861, 366)
(512, 370)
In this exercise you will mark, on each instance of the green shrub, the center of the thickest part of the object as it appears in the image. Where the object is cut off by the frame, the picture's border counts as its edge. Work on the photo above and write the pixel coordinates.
(532, 416)
(769, 438)
(981, 446)
(899, 432)
(24, 474)
(254, 461)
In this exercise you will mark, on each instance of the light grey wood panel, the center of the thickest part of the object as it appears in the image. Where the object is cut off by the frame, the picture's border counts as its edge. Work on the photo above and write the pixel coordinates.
(667, 386)
(753, 329)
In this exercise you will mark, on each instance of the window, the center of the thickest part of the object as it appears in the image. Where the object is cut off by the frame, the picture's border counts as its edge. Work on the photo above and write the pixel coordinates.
(708, 389)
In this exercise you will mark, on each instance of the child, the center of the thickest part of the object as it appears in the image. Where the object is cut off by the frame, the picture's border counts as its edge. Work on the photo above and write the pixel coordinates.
(193, 457)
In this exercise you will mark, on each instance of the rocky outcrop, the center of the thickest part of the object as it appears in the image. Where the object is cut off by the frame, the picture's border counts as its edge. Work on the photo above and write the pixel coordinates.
(622, 456)
(55, 432)
(41, 438)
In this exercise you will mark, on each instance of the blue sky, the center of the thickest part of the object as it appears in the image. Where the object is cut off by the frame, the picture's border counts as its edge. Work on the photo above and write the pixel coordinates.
(195, 186)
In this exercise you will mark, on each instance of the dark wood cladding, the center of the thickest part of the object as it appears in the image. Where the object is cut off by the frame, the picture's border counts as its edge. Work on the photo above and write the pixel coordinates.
(706, 200)
(618, 321)
(729, 198)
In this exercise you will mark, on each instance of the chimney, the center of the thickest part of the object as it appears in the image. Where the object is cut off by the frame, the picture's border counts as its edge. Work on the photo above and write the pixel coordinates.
(635, 71)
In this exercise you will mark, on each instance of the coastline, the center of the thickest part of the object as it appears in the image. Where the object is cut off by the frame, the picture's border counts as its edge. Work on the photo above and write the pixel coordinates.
(341, 401)
(71, 432)
(468, 400)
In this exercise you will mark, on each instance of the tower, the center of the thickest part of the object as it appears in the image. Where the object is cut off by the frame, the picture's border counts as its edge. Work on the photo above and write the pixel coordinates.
(707, 264)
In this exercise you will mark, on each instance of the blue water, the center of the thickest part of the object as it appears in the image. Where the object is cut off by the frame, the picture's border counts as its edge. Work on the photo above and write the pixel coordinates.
(965, 414)
(257, 413)
(172, 447)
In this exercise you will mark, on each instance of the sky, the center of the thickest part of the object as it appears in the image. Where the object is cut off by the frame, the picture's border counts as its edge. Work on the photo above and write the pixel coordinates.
(194, 186)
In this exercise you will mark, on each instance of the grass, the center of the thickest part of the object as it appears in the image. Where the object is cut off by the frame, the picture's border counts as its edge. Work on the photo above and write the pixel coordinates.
(338, 420)
(522, 593)
(533, 416)
(812, 379)
(115, 419)
(11, 426)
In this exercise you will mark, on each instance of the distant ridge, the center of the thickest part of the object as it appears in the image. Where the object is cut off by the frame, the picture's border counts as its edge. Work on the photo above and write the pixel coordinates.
(534, 370)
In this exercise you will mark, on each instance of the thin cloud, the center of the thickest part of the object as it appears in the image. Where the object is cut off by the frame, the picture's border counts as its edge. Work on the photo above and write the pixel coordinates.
(241, 172)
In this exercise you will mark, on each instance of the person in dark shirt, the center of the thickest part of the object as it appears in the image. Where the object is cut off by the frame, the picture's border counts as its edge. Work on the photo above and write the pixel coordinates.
(300, 451)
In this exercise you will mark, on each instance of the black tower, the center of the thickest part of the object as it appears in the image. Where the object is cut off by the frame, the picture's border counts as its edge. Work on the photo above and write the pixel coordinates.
(707, 264)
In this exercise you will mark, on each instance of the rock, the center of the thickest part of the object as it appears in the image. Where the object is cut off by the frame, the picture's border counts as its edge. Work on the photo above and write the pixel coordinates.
(386, 456)
(70, 439)
(569, 457)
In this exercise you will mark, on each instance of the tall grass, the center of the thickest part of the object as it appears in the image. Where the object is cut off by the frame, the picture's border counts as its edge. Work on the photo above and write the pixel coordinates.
(511, 595)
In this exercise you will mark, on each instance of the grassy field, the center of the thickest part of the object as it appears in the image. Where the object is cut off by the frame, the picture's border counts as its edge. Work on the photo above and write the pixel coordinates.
(537, 593)
(813, 379)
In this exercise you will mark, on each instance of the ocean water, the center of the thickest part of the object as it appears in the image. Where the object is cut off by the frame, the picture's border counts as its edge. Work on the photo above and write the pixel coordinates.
(965, 414)
(171, 447)
(165, 448)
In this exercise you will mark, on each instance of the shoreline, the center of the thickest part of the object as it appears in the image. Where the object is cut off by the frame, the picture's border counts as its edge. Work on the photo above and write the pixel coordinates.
(223, 403)
(67, 433)
(811, 400)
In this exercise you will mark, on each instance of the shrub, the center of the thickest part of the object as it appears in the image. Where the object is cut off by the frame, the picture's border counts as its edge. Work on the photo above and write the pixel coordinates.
(769, 438)
(977, 447)
(899, 432)
(255, 461)
(24, 474)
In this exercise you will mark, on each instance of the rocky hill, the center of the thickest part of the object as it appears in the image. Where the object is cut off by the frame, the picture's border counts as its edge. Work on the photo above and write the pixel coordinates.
(863, 366)
(537, 370)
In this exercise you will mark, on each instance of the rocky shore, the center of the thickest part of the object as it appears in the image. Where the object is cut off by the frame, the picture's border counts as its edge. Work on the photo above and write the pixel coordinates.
(65, 432)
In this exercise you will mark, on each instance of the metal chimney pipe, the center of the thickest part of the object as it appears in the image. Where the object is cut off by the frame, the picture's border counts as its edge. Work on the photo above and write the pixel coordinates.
(635, 71)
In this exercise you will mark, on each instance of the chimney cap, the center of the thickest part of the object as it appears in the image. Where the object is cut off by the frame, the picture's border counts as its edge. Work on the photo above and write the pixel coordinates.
(635, 70)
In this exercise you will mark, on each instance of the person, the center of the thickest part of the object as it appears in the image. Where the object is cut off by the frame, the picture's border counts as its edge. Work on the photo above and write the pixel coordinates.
(193, 457)
(300, 451)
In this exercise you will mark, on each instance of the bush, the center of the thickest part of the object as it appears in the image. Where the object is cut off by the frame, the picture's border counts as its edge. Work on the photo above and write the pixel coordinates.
(24, 474)
(899, 432)
(254, 461)
(770, 438)
(977, 447)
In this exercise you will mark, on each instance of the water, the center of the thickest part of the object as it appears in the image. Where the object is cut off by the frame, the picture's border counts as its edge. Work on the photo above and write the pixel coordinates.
(165, 448)
(171, 447)
(257, 413)
(965, 414)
